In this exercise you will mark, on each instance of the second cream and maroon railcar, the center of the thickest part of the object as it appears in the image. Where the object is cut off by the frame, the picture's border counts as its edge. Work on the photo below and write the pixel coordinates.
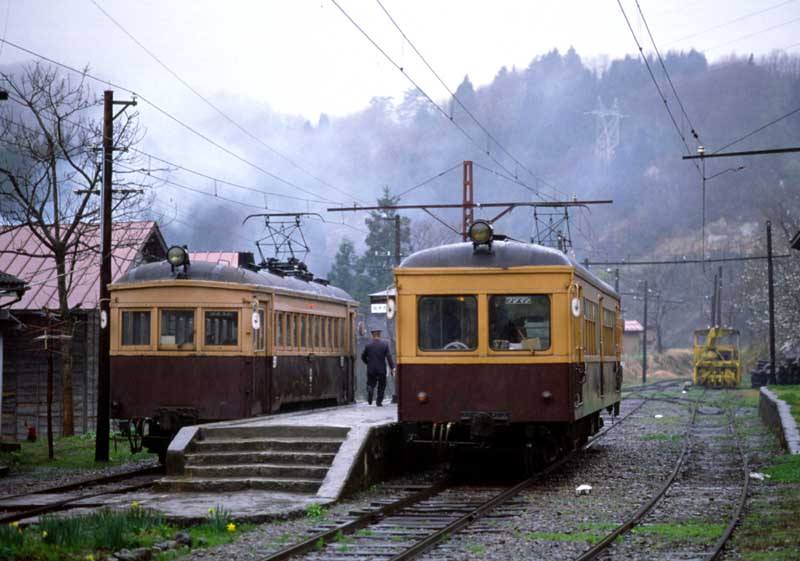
(504, 344)
(213, 342)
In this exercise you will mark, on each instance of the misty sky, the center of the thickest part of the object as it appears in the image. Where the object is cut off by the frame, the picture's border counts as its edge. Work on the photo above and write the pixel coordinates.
(304, 57)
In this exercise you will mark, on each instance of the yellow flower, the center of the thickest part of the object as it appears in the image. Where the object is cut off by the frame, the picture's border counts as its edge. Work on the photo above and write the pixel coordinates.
(135, 504)
(231, 527)
(14, 524)
(211, 510)
(44, 534)
(89, 557)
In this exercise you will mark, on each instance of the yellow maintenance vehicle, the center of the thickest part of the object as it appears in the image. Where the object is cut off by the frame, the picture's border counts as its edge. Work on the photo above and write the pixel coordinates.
(717, 361)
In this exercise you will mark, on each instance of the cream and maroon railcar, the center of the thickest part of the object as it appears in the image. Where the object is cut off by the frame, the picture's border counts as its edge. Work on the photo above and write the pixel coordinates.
(505, 344)
(214, 342)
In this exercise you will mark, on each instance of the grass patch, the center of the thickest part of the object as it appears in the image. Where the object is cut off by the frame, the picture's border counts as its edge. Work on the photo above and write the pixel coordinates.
(315, 511)
(785, 469)
(683, 531)
(98, 534)
(476, 549)
(71, 452)
(791, 395)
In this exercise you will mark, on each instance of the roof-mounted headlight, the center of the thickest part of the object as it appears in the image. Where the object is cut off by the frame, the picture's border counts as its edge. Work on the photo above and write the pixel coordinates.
(177, 256)
(480, 232)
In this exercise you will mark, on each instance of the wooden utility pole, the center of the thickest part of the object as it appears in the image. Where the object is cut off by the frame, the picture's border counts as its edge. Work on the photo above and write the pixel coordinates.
(104, 341)
(468, 201)
(644, 339)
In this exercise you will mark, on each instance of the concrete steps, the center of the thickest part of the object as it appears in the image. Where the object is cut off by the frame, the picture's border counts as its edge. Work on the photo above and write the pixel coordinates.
(225, 458)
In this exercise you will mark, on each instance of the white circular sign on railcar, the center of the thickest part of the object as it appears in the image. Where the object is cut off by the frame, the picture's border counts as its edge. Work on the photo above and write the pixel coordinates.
(256, 319)
(103, 319)
(576, 307)
(391, 308)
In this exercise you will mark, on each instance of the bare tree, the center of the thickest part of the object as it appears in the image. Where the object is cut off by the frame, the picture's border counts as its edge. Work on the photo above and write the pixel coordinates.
(50, 176)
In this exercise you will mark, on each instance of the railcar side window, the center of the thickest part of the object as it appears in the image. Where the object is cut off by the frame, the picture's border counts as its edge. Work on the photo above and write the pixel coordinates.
(135, 328)
(448, 323)
(519, 322)
(222, 328)
(609, 342)
(177, 328)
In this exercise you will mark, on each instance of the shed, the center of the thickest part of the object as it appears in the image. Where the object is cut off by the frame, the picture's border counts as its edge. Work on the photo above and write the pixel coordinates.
(632, 337)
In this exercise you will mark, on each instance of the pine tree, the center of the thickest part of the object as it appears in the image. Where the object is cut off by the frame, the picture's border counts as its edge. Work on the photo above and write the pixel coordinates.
(378, 259)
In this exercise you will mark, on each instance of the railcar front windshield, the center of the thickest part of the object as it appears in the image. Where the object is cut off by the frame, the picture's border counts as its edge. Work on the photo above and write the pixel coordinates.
(519, 322)
(448, 323)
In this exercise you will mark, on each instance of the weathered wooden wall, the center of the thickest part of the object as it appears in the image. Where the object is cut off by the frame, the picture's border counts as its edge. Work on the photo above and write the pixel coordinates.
(25, 377)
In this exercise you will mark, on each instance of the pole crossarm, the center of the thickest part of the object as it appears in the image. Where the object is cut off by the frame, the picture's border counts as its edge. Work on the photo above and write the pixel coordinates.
(744, 153)
(512, 205)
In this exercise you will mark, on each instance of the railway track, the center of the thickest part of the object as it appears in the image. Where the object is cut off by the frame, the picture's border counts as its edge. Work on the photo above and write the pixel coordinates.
(45, 501)
(710, 481)
(411, 525)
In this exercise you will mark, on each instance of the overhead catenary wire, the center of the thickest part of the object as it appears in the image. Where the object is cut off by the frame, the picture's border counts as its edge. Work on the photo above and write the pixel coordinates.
(464, 107)
(759, 129)
(666, 73)
(153, 175)
(655, 83)
(730, 22)
(426, 181)
(219, 111)
(686, 261)
(753, 34)
(183, 167)
(163, 112)
(429, 98)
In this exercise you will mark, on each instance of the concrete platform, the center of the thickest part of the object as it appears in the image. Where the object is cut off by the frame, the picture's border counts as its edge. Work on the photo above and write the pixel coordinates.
(311, 457)
(282, 462)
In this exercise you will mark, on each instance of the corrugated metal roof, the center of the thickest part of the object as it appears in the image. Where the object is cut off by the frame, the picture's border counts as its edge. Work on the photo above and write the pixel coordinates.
(632, 326)
(23, 255)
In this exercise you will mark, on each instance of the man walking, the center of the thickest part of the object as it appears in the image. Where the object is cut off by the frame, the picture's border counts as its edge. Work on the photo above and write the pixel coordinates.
(376, 355)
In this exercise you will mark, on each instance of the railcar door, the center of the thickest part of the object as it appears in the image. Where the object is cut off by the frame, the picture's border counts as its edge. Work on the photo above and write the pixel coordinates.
(259, 394)
(578, 352)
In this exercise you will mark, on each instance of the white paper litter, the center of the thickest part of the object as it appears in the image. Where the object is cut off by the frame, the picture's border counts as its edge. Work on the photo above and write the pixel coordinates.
(757, 475)
(658, 416)
(583, 489)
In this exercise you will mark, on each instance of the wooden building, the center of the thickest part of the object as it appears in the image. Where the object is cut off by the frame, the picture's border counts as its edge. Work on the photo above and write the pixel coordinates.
(24, 392)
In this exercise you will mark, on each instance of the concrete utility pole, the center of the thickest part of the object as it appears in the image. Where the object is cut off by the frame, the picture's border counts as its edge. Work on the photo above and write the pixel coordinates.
(771, 289)
(104, 341)
(396, 240)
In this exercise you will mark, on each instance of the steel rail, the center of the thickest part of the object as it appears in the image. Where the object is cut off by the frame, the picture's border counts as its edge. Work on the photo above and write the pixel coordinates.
(65, 503)
(737, 514)
(330, 535)
(431, 541)
(363, 521)
(603, 544)
(152, 470)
